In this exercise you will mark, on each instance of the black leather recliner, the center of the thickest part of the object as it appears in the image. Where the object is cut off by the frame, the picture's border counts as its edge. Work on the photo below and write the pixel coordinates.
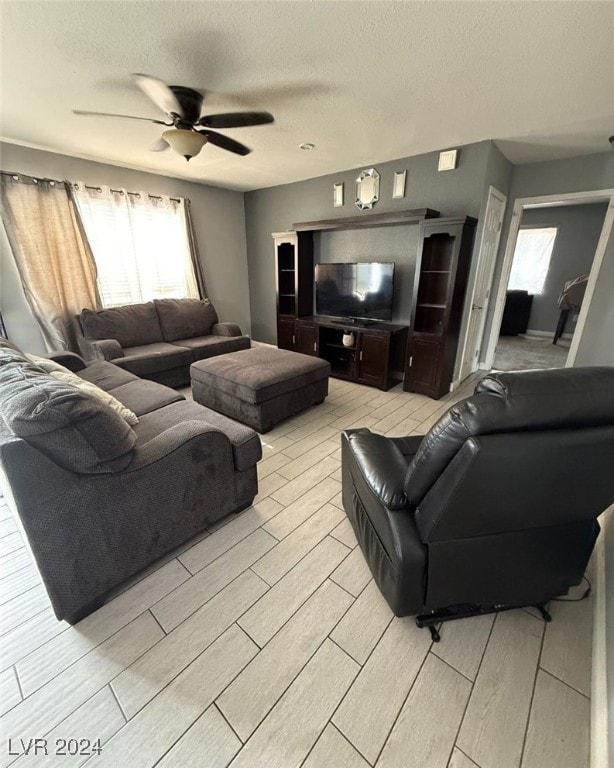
(496, 506)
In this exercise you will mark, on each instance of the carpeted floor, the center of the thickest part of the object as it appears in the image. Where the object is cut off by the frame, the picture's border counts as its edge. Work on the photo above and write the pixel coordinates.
(523, 353)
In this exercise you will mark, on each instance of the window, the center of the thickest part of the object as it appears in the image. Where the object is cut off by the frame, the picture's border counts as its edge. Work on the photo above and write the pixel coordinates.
(140, 245)
(532, 259)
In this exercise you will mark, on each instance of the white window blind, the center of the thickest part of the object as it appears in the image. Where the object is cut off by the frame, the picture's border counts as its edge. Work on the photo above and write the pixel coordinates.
(532, 259)
(140, 245)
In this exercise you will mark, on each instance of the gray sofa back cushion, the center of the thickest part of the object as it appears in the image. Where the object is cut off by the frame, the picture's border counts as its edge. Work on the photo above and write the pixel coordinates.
(131, 326)
(185, 318)
(73, 429)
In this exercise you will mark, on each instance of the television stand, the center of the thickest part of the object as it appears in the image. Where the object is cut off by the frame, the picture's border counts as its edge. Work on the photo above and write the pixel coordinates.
(376, 356)
(356, 321)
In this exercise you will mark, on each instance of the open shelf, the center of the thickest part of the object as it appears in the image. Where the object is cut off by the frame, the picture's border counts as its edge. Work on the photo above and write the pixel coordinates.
(339, 346)
(440, 282)
(285, 257)
(287, 304)
(438, 252)
(429, 319)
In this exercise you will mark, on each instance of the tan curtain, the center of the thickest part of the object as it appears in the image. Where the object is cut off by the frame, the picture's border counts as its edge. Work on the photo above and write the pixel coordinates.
(53, 257)
(196, 263)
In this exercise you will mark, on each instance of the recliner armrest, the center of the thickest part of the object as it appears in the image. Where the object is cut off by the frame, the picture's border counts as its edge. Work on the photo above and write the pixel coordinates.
(382, 465)
(225, 329)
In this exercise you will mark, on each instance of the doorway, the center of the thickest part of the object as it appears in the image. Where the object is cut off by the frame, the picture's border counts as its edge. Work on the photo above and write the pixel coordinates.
(534, 286)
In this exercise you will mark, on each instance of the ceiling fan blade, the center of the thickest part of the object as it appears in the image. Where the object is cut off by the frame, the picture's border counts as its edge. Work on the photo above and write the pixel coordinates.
(236, 119)
(225, 143)
(159, 145)
(159, 92)
(110, 114)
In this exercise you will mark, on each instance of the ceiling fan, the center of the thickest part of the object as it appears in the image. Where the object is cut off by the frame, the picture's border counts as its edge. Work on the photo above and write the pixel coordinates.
(182, 106)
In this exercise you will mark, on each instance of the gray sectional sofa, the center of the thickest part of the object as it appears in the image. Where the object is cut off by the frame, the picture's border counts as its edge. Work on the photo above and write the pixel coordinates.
(100, 500)
(158, 340)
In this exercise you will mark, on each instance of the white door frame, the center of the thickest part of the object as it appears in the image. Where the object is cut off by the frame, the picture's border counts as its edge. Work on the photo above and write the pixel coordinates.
(492, 192)
(569, 198)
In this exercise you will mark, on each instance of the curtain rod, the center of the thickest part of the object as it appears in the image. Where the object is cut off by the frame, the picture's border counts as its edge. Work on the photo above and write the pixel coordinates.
(25, 179)
(121, 192)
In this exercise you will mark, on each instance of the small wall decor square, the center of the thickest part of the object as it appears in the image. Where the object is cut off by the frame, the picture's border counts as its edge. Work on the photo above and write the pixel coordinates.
(448, 160)
(398, 186)
(338, 195)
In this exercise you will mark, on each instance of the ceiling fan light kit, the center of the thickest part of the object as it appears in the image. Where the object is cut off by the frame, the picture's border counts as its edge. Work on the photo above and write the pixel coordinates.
(182, 106)
(187, 143)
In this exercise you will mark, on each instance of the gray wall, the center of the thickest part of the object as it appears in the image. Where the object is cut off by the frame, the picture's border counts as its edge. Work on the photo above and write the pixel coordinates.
(556, 177)
(275, 209)
(578, 230)
(219, 222)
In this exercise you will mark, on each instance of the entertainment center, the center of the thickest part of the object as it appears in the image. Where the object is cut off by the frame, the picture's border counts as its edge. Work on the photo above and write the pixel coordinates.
(376, 356)
(376, 352)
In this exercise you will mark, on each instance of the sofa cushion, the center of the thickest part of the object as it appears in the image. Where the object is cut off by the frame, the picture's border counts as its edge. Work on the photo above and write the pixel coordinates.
(75, 430)
(260, 374)
(151, 358)
(106, 375)
(209, 346)
(61, 373)
(132, 325)
(143, 396)
(246, 447)
(185, 318)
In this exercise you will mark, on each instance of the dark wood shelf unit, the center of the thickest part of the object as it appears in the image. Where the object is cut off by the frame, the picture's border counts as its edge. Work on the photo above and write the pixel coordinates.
(293, 283)
(377, 357)
(391, 219)
(442, 269)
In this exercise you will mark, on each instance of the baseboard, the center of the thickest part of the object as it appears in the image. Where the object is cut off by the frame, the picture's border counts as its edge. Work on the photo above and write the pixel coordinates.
(263, 344)
(546, 334)
(602, 737)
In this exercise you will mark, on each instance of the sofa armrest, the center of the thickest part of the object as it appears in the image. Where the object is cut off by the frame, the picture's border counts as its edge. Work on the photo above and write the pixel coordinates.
(197, 433)
(381, 464)
(225, 329)
(101, 349)
(69, 360)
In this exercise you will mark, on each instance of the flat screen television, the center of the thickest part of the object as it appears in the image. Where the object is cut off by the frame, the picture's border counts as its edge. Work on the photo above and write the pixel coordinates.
(361, 290)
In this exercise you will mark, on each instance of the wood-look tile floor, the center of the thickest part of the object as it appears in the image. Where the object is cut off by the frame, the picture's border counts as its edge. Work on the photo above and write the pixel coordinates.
(265, 643)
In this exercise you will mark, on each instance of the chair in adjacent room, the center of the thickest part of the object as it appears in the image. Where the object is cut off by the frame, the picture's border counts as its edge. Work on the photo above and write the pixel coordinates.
(497, 506)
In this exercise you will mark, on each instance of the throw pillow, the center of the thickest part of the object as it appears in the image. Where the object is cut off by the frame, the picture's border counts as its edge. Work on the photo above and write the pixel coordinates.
(68, 377)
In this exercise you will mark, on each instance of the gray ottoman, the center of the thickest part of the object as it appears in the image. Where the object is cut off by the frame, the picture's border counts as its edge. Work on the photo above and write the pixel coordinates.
(260, 386)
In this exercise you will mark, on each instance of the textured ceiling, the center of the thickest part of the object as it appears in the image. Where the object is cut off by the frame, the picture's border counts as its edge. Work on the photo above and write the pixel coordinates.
(365, 82)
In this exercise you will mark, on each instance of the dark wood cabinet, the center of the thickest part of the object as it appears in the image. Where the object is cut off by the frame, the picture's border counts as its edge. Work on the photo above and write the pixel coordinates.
(375, 357)
(286, 335)
(423, 363)
(306, 339)
(442, 269)
(293, 282)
